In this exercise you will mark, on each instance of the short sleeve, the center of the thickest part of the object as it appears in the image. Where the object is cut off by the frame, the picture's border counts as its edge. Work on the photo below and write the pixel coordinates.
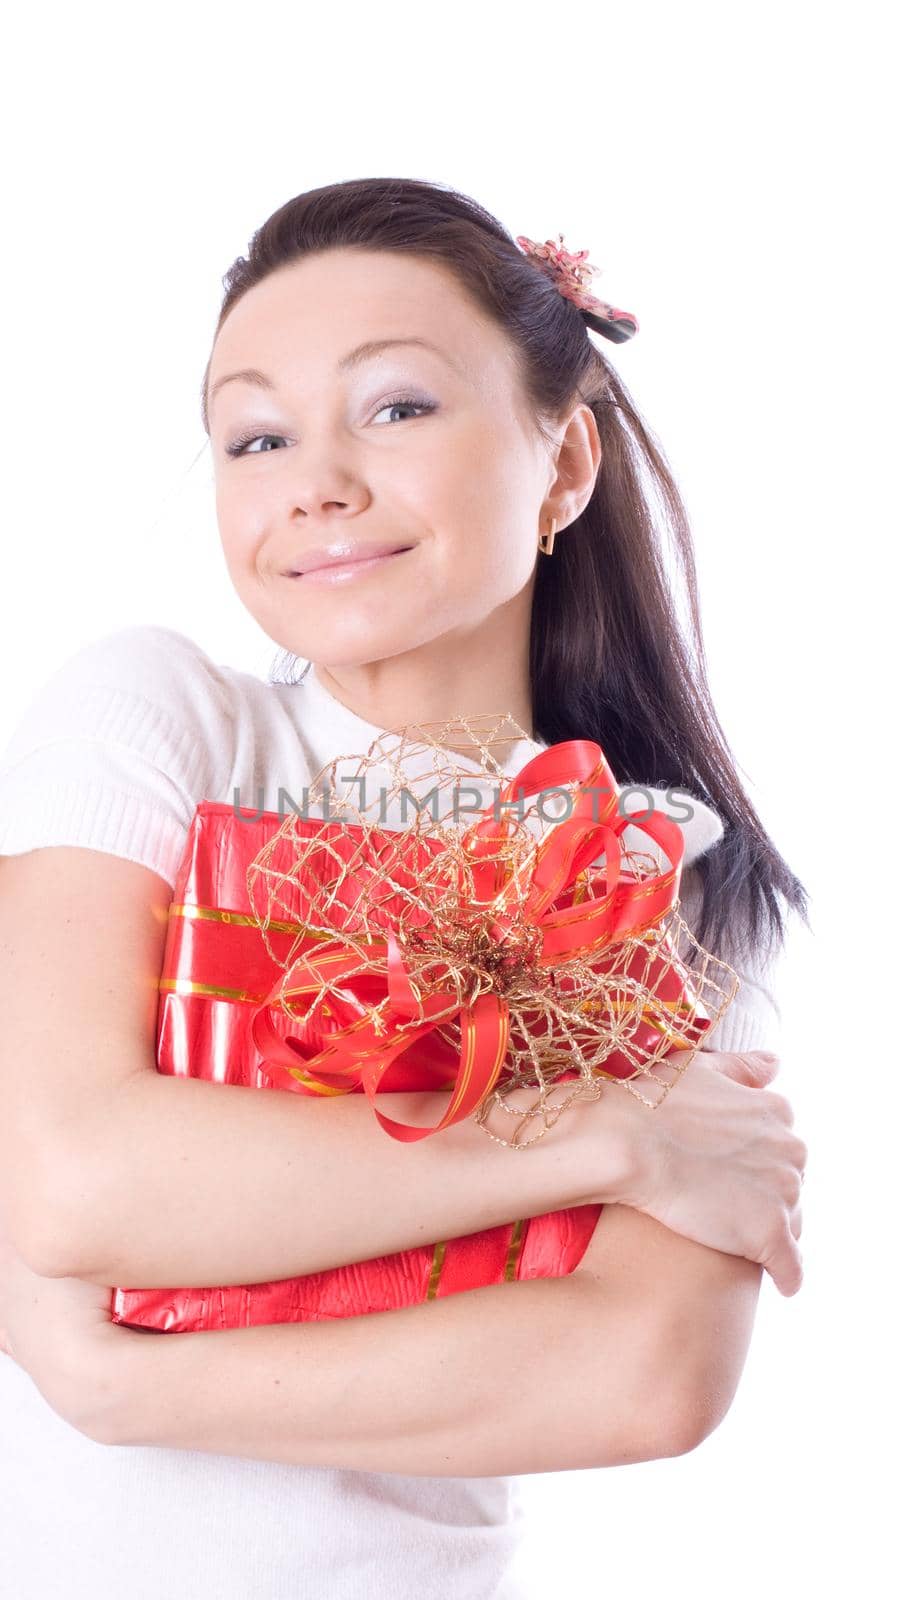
(117, 748)
(753, 1020)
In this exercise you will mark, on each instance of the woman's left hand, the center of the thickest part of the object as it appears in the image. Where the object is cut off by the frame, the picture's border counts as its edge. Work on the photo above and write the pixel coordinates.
(59, 1330)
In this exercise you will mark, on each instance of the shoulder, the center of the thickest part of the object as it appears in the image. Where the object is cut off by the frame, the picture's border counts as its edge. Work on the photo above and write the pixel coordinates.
(135, 699)
(140, 678)
(157, 663)
(114, 750)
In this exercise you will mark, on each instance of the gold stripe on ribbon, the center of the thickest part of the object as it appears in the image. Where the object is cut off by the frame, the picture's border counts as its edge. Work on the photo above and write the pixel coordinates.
(235, 919)
(190, 986)
(317, 1088)
(437, 1262)
(513, 1253)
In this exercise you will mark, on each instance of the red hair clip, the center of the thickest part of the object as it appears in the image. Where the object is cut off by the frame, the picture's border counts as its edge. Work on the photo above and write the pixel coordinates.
(571, 273)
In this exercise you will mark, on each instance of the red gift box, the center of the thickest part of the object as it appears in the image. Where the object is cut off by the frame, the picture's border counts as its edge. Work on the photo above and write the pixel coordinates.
(219, 979)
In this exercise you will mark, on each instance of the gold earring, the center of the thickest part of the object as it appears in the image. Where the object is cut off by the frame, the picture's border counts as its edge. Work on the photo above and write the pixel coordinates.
(546, 541)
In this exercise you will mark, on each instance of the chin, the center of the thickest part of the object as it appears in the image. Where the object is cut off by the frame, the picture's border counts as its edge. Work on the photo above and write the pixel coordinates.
(348, 649)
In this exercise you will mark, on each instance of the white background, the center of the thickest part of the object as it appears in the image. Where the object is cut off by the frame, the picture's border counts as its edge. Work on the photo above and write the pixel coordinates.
(745, 180)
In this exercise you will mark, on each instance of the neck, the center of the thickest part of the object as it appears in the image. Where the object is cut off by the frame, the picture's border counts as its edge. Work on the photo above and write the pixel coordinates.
(439, 682)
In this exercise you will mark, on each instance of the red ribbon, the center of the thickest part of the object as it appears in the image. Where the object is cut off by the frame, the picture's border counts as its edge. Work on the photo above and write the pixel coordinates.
(359, 1052)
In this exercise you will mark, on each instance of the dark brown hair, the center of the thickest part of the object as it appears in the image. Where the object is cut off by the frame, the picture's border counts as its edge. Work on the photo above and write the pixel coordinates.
(609, 658)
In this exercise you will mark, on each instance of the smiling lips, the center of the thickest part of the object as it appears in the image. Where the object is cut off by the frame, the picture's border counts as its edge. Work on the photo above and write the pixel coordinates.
(335, 562)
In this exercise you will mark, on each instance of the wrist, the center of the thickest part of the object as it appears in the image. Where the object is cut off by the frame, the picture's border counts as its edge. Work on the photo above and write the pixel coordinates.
(624, 1148)
(589, 1156)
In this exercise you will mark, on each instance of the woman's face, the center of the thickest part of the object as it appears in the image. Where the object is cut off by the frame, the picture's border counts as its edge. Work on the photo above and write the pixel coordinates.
(424, 447)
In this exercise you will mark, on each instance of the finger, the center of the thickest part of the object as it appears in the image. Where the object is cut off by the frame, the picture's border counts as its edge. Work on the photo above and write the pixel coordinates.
(794, 1221)
(785, 1265)
(755, 1068)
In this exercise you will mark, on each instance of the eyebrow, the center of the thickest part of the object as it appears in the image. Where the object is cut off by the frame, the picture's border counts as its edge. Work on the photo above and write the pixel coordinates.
(361, 352)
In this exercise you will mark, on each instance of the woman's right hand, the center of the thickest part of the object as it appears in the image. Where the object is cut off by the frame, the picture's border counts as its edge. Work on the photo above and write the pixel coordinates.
(717, 1160)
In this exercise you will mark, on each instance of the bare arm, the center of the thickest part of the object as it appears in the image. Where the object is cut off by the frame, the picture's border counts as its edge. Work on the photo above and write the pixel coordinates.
(114, 1173)
(634, 1356)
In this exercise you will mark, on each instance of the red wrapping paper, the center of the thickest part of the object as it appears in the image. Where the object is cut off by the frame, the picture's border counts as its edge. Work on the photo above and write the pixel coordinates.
(215, 968)
(217, 979)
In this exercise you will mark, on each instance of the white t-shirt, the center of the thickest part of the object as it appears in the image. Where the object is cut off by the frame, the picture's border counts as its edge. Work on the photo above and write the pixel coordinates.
(114, 753)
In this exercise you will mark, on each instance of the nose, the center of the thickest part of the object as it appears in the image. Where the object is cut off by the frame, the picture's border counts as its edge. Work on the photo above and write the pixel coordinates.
(323, 483)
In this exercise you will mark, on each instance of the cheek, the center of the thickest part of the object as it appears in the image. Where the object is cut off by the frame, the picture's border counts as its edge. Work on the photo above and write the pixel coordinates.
(238, 525)
(511, 560)
(500, 512)
(479, 493)
(226, 507)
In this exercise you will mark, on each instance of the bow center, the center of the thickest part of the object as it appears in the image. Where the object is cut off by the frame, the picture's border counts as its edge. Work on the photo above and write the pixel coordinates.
(493, 959)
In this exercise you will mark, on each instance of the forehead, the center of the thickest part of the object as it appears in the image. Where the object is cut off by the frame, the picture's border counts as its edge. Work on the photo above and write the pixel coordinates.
(317, 309)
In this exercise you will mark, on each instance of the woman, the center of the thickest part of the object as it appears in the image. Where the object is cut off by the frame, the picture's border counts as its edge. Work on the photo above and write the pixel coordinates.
(491, 548)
